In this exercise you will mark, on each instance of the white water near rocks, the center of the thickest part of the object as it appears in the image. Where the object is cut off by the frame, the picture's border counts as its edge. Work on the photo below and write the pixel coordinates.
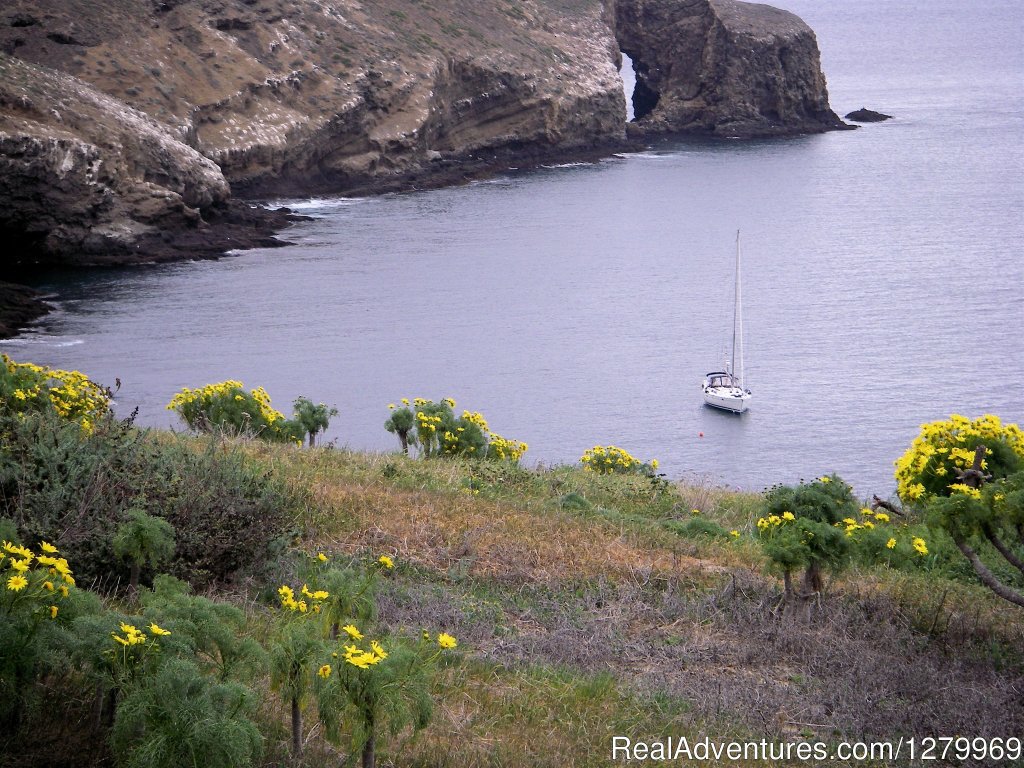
(883, 281)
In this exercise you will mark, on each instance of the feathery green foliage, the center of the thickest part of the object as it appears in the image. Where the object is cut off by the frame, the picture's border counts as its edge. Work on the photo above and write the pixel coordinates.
(311, 419)
(143, 539)
(180, 717)
(799, 528)
(215, 634)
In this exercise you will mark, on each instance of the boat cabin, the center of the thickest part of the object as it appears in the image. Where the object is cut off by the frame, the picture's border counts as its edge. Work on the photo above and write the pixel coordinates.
(721, 379)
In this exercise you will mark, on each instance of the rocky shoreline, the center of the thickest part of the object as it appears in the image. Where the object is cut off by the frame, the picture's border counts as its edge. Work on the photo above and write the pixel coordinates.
(239, 226)
(129, 130)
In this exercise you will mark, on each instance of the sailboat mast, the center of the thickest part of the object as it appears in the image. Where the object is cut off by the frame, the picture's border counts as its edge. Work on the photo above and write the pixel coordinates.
(737, 321)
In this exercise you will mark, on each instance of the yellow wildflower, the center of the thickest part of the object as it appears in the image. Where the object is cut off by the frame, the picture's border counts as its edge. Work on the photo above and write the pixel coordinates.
(47, 547)
(53, 611)
(324, 671)
(158, 630)
(386, 561)
(354, 633)
(919, 545)
(17, 583)
(891, 544)
(446, 641)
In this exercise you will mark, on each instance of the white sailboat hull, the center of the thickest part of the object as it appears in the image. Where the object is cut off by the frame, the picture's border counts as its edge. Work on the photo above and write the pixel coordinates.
(727, 398)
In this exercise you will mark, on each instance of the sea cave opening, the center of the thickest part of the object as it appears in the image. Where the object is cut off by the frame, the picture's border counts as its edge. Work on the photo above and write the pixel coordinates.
(628, 76)
(641, 99)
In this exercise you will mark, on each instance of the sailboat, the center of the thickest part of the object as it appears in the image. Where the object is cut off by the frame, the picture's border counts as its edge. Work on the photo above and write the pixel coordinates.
(724, 389)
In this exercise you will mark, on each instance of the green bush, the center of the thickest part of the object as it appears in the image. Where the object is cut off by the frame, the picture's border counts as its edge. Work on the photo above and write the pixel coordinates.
(698, 527)
(228, 406)
(179, 717)
(312, 419)
(803, 528)
(143, 539)
(943, 449)
(213, 634)
(436, 431)
(74, 487)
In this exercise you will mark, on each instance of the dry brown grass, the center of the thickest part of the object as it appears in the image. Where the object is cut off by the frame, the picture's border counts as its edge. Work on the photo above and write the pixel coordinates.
(492, 539)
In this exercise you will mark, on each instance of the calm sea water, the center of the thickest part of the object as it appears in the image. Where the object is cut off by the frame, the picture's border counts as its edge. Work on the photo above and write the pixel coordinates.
(577, 305)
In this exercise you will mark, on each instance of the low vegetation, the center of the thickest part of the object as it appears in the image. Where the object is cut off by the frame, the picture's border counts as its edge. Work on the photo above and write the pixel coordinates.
(218, 600)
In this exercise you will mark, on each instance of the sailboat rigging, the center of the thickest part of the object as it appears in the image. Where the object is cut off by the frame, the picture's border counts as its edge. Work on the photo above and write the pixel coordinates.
(724, 389)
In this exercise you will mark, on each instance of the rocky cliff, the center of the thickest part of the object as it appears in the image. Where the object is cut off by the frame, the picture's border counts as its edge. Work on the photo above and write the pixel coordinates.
(125, 119)
(723, 68)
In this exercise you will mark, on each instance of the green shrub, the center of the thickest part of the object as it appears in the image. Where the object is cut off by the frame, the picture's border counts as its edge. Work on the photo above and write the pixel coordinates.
(143, 539)
(967, 476)
(179, 717)
(34, 589)
(698, 527)
(944, 449)
(803, 528)
(71, 395)
(436, 431)
(229, 407)
(213, 633)
(312, 419)
(73, 487)
(611, 460)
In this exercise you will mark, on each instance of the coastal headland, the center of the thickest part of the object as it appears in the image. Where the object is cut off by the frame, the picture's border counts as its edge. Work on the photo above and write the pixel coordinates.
(129, 131)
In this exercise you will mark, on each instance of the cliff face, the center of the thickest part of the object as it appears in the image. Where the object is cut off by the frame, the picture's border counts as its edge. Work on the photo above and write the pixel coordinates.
(291, 96)
(723, 67)
(128, 117)
(83, 175)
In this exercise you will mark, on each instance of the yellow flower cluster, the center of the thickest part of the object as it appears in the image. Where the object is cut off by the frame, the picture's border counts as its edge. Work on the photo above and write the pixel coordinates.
(966, 490)
(134, 636)
(774, 521)
(868, 520)
(386, 561)
(360, 657)
(309, 602)
(507, 449)
(72, 394)
(608, 459)
(944, 448)
(30, 577)
(203, 397)
(475, 417)
(427, 423)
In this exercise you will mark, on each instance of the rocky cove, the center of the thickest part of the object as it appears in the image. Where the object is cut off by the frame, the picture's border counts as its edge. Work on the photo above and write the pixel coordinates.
(130, 130)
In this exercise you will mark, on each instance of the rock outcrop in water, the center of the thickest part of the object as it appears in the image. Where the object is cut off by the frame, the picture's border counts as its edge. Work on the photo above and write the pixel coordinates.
(723, 68)
(865, 115)
(124, 124)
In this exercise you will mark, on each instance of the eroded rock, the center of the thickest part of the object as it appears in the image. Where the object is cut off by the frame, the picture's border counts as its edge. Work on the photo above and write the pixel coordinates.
(723, 67)
(865, 115)
(83, 176)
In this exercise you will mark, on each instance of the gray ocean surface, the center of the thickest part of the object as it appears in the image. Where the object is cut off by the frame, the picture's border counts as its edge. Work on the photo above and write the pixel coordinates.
(582, 304)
